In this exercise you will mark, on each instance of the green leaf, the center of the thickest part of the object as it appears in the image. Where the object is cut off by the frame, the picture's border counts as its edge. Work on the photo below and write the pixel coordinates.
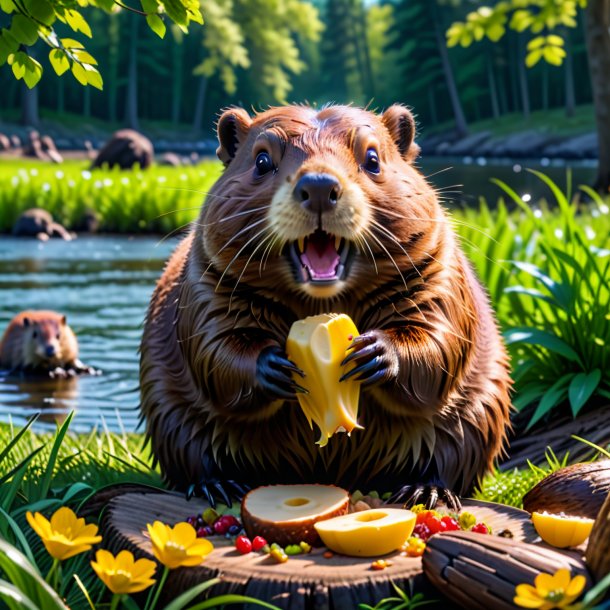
(59, 61)
(222, 600)
(176, 11)
(94, 78)
(45, 483)
(77, 22)
(155, 23)
(535, 336)
(42, 9)
(555, 40)
(581, 388)
(7, 6)
(83, 57)
(554, 55)
(79, 73)
(552, 397)
(532, 58)
(189, 595)
(70, 43)
(535, 43)
(25, 30)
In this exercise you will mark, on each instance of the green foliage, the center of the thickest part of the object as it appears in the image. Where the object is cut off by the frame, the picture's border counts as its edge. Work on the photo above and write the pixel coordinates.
(509, 486)
(157, 200)
(402, 601)
(534, 16)
(31, 20)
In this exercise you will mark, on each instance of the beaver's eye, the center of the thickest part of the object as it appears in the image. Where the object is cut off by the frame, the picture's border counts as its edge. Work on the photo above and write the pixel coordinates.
(371, 162)
(263, 163)
(35, 334)
(57, 336)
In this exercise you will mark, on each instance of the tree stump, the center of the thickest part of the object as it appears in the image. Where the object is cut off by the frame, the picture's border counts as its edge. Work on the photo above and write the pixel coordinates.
(598, 550)
(307, 582)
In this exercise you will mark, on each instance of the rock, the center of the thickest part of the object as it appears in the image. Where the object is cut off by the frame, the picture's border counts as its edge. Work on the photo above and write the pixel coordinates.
(5, 142)
(32, 222)
(598, 549)
(48, 146)
(579, 147)
(468, 145)
(480, 572)
(578, 490)
(38, 223)
(34, 147)
(171, 159)
(15, 141)
(126, 148)
(88, 223)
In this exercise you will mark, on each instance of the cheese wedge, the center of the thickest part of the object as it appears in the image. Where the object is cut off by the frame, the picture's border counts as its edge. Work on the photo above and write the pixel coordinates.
(317, 346)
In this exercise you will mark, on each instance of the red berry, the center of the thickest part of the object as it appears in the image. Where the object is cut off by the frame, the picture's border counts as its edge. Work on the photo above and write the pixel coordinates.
(243, 544)
(201, 533)
(422, 531)
(221, 527)
(451, 524)
(435, 525)
(480, 528)
(258, 542)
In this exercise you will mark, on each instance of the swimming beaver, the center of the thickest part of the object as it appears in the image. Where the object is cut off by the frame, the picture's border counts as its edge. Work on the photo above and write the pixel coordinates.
(41, 341)
(322, 211)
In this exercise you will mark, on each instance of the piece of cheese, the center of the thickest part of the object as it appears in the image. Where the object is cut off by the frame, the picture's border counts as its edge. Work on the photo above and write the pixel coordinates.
(367, 533)
(317, 345)
(562, 531)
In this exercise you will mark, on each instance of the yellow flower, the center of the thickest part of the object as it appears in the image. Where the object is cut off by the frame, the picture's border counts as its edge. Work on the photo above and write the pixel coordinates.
(65, 535)
(178, 546)
(550, 591)
(122, 574)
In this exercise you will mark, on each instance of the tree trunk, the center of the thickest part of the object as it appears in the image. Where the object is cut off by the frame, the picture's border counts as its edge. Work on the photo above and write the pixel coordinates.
(460, 120)
(493, 89)
(432, 104)
(545, 86)
(368, 81)
(523, 85)
(200, 104)
(61, 95)
(598, 49)
(177, 61)
(569, 76)
(112, 74)
(131, 103)
(87, 101)
(29, 106)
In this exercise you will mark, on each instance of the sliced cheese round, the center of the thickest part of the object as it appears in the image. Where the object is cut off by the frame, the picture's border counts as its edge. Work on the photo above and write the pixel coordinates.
(368, 533)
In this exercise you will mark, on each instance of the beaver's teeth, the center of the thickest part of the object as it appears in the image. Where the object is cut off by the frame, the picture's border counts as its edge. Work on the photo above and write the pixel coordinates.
(301, 242)
(337, 242)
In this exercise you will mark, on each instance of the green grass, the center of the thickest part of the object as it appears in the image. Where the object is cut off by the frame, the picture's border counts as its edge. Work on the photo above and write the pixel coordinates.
(157, 200)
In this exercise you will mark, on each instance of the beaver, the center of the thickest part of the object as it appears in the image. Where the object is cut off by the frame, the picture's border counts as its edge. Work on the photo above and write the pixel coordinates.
(41, 342)
(318, 211)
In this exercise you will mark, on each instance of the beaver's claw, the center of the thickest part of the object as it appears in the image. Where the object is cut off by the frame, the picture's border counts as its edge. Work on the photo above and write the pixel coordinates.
(375, 358)
(212, 489)
(274, 373)
(426, 494)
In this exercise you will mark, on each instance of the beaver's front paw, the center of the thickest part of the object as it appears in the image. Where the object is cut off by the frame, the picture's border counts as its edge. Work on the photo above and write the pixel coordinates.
(214, 486)
(375, 357)
(274, 374)
(427, 494)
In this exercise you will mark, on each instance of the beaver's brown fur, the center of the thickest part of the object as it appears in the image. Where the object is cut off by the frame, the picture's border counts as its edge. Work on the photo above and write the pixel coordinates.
(40, 341)
(213, 373)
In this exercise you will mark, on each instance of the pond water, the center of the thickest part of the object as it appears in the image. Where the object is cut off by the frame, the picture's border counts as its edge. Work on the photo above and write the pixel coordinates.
(103, 285)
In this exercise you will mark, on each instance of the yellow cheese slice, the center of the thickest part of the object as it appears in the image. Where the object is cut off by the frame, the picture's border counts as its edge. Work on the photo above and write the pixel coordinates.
(317, 346)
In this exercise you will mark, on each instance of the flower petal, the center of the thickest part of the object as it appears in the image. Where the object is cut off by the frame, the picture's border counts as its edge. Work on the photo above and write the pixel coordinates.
(39, 524)
(561, 579)
(88, 531)
(527, 591)
(63, 520)
(143, 568)
(577, 584)
(545, 583)
(159, 533)
(527, 602)
(137, 586)
(202, 546)
(184, 534)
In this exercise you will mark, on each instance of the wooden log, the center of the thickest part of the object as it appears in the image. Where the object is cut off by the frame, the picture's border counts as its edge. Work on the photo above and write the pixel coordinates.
(307, 582)
(531, 446)
(578, 490)
(480, 572)
(598, 549)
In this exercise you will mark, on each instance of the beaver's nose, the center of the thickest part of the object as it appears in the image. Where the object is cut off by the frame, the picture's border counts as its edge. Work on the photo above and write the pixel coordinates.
(318, 192)
(50, 351)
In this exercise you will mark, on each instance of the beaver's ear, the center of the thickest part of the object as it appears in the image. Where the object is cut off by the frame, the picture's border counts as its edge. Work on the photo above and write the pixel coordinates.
(400, 123)
(63, 320)
(26, 321)
(233, 127)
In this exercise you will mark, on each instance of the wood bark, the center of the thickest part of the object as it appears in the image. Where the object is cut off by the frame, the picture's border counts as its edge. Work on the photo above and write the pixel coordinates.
(200, 104)
(177, 65)
(570, 95)
(493, 89)
(29, 106)
(523, 84)
(131, 103)
(597, 24)
(112, 74)
(461, 126)
(598, 550)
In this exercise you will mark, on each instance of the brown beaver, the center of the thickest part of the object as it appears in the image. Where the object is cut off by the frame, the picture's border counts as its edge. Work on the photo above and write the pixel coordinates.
(41, 342)
(322, 211)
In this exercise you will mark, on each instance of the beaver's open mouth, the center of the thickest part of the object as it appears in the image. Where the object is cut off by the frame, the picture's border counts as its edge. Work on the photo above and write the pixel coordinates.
(320, 258)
